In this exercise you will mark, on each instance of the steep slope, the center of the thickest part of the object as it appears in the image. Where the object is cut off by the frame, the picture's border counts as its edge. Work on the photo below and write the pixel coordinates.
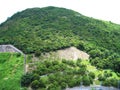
(39, 30)
(51, 28)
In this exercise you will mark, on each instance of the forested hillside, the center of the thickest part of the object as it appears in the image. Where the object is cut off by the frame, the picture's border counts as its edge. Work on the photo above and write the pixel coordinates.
(39, 30)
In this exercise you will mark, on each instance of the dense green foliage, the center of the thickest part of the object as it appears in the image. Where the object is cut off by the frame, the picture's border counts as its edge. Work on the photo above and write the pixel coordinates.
(39, 30)
(11, 70)
(107, 79)
(55, 74)
(51, 28)
(58, 75)
(105, 59)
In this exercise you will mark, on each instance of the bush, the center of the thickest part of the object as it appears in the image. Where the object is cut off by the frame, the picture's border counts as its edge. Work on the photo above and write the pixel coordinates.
(92, 75)
(111, 82)
(37, 53)
(101, 77)
(51, 77)
(78, 80)
(107, 74)
(82, 71)
(86, 80)
(78, 64)
(35, 84)
(42, 83)
(55, 62)
(52, 87)
(71, 83)
(63, 85)
(26, 79)
(36, 76)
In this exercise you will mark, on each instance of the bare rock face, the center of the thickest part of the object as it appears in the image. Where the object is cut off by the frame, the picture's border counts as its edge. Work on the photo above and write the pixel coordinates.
(72, 53)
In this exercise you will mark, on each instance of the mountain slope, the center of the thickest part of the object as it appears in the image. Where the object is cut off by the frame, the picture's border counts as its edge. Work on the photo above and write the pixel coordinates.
(39, 30)
(51, 28)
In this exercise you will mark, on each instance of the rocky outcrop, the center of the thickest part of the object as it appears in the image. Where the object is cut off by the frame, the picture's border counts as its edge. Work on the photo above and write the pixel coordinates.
(72, 53)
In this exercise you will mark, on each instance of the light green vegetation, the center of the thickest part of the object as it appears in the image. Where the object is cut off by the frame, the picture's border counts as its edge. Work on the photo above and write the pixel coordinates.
(110, 74)
(59, 74)
(11, 70)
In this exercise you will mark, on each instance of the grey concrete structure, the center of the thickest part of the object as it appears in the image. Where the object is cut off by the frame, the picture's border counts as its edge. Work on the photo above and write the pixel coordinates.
(9, 48)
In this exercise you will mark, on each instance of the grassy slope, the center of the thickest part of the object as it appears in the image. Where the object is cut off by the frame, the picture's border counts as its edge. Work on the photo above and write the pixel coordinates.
(11, 69)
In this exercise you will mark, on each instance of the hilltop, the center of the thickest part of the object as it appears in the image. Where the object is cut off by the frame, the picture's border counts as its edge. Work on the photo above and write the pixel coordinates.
(51, 28)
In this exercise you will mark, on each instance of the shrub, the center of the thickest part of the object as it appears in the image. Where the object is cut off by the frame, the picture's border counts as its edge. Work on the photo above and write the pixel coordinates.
(111, 82)
(101, 77)
(35, 84)
(72, 82)
(54, 86)
(43, 81)
(36, 76)
(92, 75)
(26, 79)
(86, 80)
(107, 74)
(63, 85)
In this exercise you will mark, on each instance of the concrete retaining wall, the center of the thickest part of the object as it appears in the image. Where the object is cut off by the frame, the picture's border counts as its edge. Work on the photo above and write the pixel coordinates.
(9, 48)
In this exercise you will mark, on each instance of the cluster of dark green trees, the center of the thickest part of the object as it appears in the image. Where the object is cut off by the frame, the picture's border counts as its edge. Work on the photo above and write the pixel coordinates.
(105, 59)
(106, 79)
(57, 75)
